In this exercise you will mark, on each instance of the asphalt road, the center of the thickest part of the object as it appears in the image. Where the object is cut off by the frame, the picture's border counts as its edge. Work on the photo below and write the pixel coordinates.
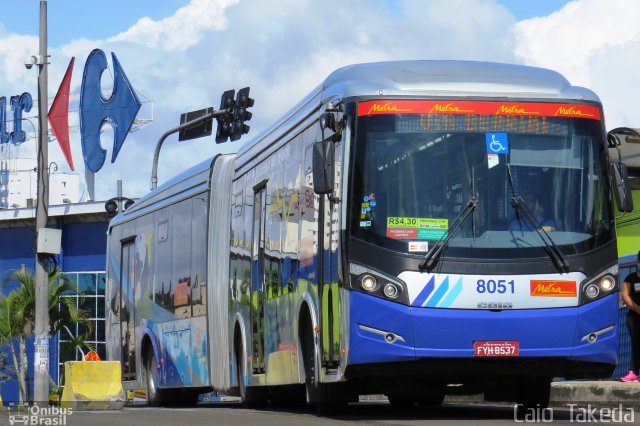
(370, 413)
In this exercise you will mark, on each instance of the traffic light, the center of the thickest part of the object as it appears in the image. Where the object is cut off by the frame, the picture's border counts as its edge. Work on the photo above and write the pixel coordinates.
(113, 207)
(225, 121)
(241, 114)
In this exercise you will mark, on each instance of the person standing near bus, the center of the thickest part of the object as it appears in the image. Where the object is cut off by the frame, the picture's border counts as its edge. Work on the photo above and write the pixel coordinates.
(631, 298)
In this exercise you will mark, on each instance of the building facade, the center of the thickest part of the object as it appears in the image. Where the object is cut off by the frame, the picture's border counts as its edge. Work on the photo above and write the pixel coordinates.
(82, 259)
(19, 184)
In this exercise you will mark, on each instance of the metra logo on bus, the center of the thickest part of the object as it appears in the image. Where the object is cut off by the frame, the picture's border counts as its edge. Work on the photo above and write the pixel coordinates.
(386, 107)
(514, 109)
(552, 288)
(445, 108)
(572, 112)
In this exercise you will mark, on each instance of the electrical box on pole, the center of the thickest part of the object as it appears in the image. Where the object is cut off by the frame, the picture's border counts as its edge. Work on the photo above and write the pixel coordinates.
(49, 241)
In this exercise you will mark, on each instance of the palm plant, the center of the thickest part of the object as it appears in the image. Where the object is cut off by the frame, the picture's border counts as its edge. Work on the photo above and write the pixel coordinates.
(18, 312)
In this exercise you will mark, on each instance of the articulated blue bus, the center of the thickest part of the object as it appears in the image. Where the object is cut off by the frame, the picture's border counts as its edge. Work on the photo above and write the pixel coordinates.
(415, 228)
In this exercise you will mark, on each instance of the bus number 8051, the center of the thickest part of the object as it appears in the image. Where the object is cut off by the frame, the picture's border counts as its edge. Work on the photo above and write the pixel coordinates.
(495, 286)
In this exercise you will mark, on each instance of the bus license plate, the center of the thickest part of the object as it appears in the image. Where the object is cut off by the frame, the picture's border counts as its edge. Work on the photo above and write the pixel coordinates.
(496, 348)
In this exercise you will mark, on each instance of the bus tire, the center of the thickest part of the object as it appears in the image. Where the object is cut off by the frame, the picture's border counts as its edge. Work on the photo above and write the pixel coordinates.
(328, 399)
(250, 397)
(151, 374)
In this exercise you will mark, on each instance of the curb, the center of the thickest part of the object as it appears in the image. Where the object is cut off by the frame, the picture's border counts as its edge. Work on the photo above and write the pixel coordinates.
(596, 393)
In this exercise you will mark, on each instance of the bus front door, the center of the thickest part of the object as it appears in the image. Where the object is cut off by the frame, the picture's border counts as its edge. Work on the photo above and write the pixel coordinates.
(257, 279)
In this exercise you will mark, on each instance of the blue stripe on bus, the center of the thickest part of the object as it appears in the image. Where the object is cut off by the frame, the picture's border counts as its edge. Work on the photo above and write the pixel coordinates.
(453, 295)
(439, 294)
(426, 291)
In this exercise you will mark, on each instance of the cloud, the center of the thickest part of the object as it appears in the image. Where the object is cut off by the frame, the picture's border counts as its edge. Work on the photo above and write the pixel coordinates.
(593, 44)
(14, 49)
(180, 31)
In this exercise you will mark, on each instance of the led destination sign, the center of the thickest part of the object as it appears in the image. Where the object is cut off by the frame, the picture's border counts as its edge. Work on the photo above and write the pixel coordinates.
(536, 109)
(479, 117)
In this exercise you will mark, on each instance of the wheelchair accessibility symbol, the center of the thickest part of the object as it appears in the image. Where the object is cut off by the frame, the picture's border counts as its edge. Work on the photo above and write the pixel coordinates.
(497, 143)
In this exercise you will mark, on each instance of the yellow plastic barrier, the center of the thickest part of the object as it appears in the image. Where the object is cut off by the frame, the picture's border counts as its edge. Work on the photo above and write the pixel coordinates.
(92, 385)
(136, 395)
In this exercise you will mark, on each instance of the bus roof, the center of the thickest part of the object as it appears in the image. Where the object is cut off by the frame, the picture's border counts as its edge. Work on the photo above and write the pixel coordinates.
(193, 180)
(427, 78)
(452, 78)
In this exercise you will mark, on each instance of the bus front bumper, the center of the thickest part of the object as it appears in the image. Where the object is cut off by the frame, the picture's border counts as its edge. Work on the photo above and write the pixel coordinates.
(561, 339)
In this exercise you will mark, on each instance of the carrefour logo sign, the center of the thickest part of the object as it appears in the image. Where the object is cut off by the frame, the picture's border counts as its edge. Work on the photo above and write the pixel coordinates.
(19, 104)
(119, 110)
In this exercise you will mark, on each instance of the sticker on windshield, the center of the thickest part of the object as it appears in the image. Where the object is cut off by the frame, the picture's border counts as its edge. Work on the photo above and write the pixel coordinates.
(497, 143)
(418, 246)
(366, 210)
(492, 160)
(416, 228)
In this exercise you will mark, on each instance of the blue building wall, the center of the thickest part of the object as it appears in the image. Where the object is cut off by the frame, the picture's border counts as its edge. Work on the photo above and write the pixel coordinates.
(84, 246)
(83, 250)
(16, 249)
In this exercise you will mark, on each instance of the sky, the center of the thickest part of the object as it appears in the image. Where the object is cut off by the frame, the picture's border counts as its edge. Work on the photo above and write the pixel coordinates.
(180, 55)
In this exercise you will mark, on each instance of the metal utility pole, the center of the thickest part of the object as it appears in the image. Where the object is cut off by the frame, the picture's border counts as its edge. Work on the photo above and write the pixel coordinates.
(41, 358)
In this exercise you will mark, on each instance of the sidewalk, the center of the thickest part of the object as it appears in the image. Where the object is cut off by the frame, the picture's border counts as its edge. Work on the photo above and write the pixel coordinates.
(601, 393)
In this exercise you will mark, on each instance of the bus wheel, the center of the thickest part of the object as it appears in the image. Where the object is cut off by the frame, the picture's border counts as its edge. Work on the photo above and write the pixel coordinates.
(533, 394)
(151, 373)
(250, 397)
(328, 398)
(240, 373)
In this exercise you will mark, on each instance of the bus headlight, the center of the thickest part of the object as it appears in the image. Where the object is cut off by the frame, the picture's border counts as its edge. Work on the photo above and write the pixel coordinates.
(391, 291)
(378, 284)
(607, 283)
(601, 285)
(592, 291)
(369, 283)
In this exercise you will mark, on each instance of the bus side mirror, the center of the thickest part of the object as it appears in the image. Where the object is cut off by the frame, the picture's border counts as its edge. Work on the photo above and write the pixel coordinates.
(622, 187)
(323, 163)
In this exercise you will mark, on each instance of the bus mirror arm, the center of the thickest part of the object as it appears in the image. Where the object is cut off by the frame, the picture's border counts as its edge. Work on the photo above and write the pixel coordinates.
(323, 164)
(622, 188)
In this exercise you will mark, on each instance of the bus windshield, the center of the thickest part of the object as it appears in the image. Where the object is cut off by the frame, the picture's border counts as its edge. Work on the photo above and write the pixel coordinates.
(529, 166)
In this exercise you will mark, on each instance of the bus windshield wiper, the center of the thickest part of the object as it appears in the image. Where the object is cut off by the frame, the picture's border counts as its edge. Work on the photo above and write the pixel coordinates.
(559, 259)
(432, 256)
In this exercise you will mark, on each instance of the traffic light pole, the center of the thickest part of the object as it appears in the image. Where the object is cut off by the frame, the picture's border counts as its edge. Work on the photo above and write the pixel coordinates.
(41, 358)
(192, 123)
(231, 117)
